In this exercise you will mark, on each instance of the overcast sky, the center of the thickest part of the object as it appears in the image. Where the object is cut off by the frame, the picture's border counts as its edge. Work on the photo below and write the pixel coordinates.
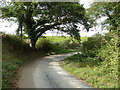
(10, 27)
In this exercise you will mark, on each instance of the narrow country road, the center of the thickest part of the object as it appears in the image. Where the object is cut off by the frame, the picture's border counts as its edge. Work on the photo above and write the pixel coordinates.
(47, 73)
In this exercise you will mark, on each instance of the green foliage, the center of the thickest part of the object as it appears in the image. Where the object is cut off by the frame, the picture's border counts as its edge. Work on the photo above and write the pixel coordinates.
(50, 47)
(57, 39)
(57, 44)
(37, 18)
(9, 70)
(102, 70)
(45, 45)
(108, 9)
(91, 46)
(80, 61)
(13, 58)
(109, 54)
(14, 42)
(71, 44)
(60, 39)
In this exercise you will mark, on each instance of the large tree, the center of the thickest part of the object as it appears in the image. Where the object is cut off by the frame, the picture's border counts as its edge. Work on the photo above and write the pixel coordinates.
(37, 18)
(111, 10)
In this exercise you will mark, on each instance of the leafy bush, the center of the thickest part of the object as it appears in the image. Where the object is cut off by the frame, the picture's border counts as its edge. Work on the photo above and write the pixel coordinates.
(91, 47)
(48, 46)
(71, 44)
(51, 47)
(45, 45)
(12, 58)
(102, 70)
(9, 70)
(109, 54)
(14, 41)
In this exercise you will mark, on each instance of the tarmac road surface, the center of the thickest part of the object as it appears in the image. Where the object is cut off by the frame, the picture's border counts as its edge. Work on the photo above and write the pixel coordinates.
(47, 73)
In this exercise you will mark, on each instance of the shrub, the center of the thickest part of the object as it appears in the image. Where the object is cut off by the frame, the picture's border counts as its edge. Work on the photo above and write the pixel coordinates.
(102, 70)
(49, 46)
(45, 45)
(109, 52)
(91, 47)
(9, 70)
(71, 44)
(14, 42)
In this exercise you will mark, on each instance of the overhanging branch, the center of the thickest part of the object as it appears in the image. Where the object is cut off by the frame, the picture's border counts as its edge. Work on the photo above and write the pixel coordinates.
(39, 23)
(48, 27)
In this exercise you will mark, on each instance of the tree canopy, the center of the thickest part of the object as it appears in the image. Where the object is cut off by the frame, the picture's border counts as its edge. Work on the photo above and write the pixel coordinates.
(108, 9)
(38, 17)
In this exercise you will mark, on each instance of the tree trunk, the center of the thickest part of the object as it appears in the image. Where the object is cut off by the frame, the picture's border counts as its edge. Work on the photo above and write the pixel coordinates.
(34, 40)
(33, 43)
(21, 36)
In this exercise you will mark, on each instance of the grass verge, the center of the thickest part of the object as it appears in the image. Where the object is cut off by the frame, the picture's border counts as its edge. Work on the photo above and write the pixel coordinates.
(90, 70)
(13, 58)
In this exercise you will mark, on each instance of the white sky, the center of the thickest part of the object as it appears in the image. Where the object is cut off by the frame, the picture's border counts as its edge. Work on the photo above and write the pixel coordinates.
(10, 27)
